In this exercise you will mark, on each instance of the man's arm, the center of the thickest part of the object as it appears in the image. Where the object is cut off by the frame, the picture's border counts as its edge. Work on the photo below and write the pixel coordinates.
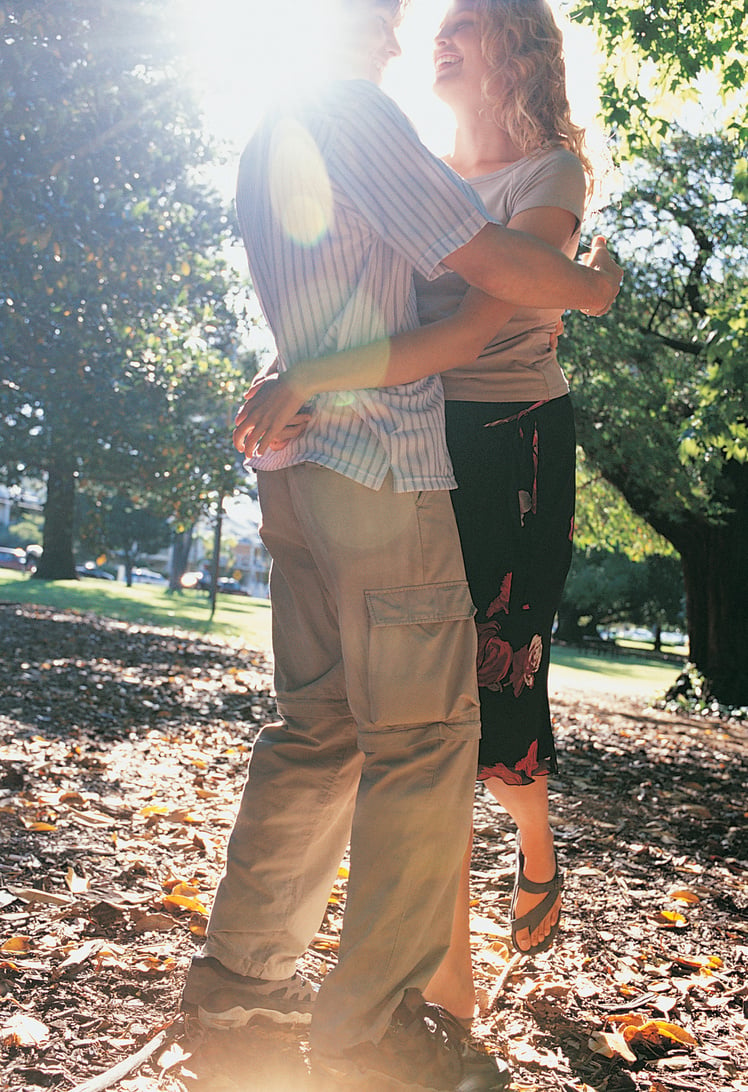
(451, 342)
(520, 269)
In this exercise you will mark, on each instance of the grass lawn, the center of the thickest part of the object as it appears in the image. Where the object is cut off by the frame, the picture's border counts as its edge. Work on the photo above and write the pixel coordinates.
(249, 620)
(146, 604)
(630, 675)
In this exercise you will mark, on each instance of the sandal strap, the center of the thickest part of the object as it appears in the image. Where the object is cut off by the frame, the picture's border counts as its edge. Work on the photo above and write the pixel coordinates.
(553, 885)
(532, 919)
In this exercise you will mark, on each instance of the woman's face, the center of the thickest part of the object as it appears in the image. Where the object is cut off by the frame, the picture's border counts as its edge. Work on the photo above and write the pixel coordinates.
(459, 65)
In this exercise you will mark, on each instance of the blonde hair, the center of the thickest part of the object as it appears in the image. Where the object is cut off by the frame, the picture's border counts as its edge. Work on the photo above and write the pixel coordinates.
(525, 86)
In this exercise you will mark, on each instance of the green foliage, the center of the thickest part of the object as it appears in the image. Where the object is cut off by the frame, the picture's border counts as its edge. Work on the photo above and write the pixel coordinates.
(692, 693)
(654, 55)
(116, 337)
(114, 525)
(660, 384)
(605, 586)
(604, 518)
(665, 374)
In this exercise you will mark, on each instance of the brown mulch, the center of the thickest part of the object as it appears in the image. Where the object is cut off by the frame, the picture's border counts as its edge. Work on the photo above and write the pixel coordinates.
(122, 753)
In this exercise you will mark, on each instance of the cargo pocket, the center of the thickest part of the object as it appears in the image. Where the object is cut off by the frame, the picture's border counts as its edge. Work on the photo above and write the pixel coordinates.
(422, 650)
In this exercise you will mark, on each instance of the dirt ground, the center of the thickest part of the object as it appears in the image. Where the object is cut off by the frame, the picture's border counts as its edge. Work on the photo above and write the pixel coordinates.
(122, 753)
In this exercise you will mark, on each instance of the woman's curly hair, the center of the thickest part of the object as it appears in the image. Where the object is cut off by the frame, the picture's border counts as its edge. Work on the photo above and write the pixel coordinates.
(525, 86)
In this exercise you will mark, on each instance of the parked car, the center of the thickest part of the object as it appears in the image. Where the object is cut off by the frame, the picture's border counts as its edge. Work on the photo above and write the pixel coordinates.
(91, 569)
(147, 576)
(196, 579)
(229, 586)
(12, 558)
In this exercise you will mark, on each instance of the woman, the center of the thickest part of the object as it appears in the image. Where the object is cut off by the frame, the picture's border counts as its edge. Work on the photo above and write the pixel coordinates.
(510, 429)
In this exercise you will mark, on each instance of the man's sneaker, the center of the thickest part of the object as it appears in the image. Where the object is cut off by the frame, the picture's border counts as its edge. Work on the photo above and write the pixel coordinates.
(423, 1049)
(222, 999)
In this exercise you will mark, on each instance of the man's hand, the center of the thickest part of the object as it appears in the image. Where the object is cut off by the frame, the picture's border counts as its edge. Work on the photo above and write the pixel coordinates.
(273, 414)
(599, 259)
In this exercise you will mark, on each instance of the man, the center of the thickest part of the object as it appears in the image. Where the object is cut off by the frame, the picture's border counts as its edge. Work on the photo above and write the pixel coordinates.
(372, 620)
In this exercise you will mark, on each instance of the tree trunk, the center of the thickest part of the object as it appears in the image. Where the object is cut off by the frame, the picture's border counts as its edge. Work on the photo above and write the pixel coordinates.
(568, 624)
(180, 553)
(714, 555)
(57, 561)
(715, 561)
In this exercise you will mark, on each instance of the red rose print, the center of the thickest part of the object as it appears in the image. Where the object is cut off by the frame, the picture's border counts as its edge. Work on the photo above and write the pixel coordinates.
(501, 602)
(494, 656)
(509, 777)
(525, 663)
(529, 763)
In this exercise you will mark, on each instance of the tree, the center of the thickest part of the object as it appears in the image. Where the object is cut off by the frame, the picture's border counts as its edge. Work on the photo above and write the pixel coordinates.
(114, 321)
(660, 385)
(115, 525)
(656, 52)
(606, 586)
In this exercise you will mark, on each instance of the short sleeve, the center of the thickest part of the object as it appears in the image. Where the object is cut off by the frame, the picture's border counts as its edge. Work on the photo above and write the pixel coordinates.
(553, 180)
(417, 204)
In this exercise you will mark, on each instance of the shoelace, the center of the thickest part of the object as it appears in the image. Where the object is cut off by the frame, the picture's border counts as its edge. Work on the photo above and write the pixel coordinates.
(440, 1027)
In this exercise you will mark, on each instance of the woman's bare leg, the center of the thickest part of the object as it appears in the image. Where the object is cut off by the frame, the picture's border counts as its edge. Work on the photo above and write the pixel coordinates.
(528, 807)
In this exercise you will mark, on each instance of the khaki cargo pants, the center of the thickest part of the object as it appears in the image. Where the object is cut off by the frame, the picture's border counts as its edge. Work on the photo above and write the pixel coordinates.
(374, 648)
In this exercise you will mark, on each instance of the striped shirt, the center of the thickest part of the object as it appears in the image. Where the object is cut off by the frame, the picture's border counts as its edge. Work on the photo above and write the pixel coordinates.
(338, 203)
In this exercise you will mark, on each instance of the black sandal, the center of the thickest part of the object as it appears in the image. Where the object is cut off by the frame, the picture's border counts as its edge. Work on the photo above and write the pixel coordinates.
(532, 919)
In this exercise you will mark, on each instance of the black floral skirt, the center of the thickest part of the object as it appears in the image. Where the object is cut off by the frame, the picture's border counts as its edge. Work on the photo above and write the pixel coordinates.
(514, 463)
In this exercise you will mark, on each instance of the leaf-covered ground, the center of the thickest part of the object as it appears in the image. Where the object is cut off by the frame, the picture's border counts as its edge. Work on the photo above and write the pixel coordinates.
(122, 753)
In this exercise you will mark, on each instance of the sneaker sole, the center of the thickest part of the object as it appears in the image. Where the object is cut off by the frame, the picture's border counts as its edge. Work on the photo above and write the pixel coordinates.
(239, 1017)
(325, 1077)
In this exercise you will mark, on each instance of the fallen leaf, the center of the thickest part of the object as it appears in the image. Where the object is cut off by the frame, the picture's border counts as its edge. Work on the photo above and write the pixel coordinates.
(154, 963)
(23, 1031)
(670, 919)
(324, 943)
(153, 809)
(16, 944)
(71, 798)
(683, 894)
(33, 894)
(495, 952)
(75, 883)
(80, 954)
(654, 1030)
(183, 902)
(172, 1056)
(198, 925)
(186, 890)
(486, 927)
(147, 923)
(526, 1054)
(610, 1044)
(628, 1019)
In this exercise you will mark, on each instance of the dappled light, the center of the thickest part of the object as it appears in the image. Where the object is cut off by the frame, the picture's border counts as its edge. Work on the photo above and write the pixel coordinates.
(113, 839)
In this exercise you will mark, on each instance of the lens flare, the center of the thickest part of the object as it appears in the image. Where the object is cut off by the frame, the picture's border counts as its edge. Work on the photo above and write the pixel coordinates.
(300, 190)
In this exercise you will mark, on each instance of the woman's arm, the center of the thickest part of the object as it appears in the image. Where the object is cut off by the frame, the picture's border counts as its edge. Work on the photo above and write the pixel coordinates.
(449, 343)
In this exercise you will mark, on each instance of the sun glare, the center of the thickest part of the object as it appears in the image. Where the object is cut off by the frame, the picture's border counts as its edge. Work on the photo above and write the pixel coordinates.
(243, 54)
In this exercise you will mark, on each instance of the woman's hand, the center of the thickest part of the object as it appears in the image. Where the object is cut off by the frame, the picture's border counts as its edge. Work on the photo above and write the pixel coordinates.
(273, 414)
(600, 260)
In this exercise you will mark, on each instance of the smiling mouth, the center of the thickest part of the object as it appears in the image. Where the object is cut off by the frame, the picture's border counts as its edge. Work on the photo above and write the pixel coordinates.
(446, 61)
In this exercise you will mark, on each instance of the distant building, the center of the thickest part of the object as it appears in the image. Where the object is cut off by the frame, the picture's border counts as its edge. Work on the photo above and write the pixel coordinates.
(253, 562)
(17, 498)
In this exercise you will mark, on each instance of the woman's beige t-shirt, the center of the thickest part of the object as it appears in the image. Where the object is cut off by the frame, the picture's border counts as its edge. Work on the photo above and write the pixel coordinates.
(519, 365)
